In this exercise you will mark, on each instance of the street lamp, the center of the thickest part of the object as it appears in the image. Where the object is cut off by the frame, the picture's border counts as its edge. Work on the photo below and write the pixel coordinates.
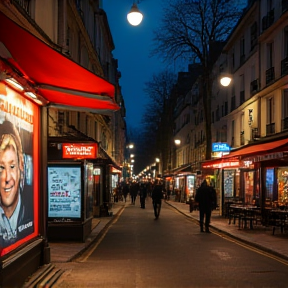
(134, 17)
(177, 141)
(225, 79)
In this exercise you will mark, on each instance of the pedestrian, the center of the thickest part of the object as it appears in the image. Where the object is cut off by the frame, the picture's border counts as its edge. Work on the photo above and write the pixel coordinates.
(206, 198)
(143, 194)
(134, 189)
(125, 191)
(157, 197)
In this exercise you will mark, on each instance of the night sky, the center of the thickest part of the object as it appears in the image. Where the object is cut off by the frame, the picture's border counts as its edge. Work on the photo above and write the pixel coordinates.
(133, 45)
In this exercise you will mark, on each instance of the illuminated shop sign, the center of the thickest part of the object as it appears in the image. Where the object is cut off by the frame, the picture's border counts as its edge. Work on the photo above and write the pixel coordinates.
(79, 150)
(216, 165)
(19, 126)
(220, 147)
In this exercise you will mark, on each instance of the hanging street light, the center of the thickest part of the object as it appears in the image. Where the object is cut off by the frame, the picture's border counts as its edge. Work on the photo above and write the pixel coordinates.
(134, 17)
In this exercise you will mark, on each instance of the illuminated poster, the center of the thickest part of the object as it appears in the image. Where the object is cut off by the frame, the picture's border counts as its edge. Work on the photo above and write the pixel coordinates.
(228, 183)
(64, 191)
(18, 169)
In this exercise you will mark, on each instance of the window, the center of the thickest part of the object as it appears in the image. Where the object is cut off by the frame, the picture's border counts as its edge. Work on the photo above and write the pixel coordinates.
(270, 55)
(242, 89)
(286, 42)
(242, 50)
(253, 35)
(270, 110)
(285, 103)
(232, 133)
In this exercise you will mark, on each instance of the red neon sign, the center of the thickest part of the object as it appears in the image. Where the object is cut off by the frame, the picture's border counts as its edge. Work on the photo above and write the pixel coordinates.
(79, 151)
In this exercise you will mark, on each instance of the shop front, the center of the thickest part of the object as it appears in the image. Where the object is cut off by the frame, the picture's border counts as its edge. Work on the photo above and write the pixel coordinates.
(252, 175)
(34, 77)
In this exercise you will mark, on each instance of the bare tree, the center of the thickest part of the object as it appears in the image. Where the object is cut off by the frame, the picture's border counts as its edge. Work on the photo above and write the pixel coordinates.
(157, 120)
(189, 29)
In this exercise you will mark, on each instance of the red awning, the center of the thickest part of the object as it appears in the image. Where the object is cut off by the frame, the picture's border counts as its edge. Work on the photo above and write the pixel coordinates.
(258, 149)
(56, 77)
(232, 160)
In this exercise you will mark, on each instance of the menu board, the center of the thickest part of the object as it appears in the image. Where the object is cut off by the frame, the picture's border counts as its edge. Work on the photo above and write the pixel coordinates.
(64, 191)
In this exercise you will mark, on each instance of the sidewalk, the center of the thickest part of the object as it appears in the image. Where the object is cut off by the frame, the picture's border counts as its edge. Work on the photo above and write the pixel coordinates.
(260, 237)
(66, 251)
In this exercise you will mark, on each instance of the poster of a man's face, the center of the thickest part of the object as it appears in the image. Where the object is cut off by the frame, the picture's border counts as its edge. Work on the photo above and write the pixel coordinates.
(16, 160)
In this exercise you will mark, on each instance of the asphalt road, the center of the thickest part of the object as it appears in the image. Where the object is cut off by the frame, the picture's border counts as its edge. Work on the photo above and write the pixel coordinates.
(138, 251)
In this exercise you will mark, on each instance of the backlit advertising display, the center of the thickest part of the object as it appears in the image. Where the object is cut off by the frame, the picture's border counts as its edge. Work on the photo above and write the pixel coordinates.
(19, 120)
(64, 191)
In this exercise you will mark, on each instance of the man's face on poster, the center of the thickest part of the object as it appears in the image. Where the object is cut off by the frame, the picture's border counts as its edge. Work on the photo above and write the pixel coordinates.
(10, 178)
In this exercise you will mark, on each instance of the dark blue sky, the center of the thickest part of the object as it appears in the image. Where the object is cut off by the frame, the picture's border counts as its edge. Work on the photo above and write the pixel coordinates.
(132, 49)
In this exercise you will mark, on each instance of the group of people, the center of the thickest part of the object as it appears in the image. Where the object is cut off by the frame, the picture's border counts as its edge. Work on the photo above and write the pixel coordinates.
(205, 197)
(143, 189)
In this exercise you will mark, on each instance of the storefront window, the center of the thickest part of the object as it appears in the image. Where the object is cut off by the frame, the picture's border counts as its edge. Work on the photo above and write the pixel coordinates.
(269, 183)
(283, 185)
(249, 186)
(191, 186)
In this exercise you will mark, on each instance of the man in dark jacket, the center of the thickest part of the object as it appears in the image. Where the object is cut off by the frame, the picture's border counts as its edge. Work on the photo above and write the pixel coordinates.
(206, 197)
(157, 197)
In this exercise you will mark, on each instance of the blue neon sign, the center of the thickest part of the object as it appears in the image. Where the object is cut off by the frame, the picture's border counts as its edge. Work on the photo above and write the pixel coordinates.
(220, 147)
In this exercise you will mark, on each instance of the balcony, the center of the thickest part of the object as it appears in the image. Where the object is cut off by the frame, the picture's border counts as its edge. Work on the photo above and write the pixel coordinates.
(284, 124)
(254, 86)
(268, 20)
(270, 129)
(270, 75)
(284, 66)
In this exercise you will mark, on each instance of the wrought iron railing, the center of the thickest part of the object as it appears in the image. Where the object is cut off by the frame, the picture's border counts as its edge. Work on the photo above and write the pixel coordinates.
(270, 75)
(270, 128)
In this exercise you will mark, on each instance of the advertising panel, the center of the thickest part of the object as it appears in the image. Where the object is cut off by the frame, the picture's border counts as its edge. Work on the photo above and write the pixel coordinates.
(19, 120)
(64, 192)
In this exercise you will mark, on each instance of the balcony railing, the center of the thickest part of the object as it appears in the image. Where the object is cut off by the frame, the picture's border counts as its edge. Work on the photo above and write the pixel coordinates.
(270, 75)
(255, 133)
(284, 124)
(284, 66)
(270, 128)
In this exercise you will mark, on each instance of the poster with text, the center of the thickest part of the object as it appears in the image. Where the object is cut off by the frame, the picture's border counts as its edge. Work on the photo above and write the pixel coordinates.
(64, 192)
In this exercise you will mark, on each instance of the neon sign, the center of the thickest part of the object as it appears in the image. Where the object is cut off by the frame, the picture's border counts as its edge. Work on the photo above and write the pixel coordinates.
(79, 150)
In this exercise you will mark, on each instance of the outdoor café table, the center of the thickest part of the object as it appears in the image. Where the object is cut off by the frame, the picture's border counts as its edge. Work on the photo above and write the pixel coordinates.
(278, 218)
(249, 214)
(244, 214)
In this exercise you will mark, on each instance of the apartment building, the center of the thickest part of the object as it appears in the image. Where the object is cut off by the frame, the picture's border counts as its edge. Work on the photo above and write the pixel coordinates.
(252, 109)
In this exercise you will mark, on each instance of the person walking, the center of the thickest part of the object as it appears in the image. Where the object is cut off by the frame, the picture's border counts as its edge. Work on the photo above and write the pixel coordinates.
(206, 198)
(157, 197)
(143, 194)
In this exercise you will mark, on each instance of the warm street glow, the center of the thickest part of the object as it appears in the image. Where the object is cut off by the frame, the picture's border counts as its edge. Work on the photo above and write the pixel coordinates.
(177, 141)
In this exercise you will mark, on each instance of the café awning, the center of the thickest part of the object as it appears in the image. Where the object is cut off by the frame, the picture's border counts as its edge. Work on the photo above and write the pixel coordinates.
(232, 159)
(58, 79)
